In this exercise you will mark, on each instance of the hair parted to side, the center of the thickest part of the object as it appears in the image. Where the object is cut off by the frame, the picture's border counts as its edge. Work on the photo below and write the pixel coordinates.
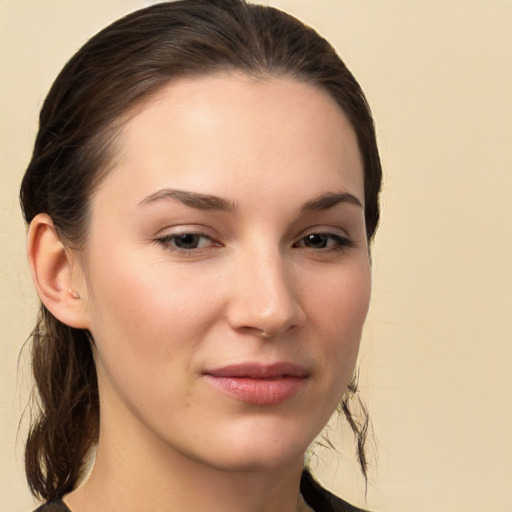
(111, 75)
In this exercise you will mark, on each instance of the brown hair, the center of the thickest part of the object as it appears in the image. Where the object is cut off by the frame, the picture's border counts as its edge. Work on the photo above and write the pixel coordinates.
(111, 74)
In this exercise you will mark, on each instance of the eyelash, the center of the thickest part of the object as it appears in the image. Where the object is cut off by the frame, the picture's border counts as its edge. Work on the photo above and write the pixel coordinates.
(169, 242)
(341, 242)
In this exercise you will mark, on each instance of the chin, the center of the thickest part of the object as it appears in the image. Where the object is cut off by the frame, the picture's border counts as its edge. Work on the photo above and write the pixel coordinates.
(260, 450)
(264, 461)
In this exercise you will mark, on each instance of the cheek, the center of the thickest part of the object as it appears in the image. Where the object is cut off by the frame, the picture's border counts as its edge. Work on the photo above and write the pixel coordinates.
(341, 298)
(341, 306)
(147, 323)
(147, 312)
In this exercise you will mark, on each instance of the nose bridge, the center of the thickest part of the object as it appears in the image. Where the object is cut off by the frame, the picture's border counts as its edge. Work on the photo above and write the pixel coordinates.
(264, 297)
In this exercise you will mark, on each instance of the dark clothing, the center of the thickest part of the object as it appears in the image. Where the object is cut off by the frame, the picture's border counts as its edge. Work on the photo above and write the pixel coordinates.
(321, 500)
(53, 506)
(315, 496)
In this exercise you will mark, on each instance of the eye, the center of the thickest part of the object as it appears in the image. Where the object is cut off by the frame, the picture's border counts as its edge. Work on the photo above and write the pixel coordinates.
(183, 242)
(324, 241)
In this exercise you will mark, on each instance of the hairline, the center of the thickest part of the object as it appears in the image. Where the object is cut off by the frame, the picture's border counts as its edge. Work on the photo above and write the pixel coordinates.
(111, 133)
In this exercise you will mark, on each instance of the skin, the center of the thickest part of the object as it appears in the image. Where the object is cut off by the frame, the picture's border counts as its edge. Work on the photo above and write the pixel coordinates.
(161, 316)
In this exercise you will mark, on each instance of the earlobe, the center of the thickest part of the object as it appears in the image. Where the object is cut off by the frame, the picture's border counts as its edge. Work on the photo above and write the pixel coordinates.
(54, 271)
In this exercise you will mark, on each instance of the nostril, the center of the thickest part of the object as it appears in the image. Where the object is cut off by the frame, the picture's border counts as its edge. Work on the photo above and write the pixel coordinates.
(264, 301)
(255, 331)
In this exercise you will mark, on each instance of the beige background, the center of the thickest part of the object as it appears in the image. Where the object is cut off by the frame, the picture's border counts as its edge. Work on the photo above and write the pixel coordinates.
(437, 350)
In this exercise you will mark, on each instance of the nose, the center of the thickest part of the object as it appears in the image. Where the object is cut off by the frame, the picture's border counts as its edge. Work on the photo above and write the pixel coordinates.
(264, 299)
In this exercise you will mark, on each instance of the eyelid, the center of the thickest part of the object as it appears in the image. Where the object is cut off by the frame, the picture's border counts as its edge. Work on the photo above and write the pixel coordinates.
(343, 240)
(337, 234)
(178, 228)
(170, 236)
(326, 229)
(165, 239)
(323, 229)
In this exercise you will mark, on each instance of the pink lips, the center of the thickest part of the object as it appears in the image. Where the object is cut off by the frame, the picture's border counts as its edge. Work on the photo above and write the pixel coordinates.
(259, 384)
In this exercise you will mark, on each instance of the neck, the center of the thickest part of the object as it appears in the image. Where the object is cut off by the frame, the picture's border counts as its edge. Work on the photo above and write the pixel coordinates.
(149, 476)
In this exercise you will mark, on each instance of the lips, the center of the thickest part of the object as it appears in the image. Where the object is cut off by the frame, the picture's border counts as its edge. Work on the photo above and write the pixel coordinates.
(259, 384)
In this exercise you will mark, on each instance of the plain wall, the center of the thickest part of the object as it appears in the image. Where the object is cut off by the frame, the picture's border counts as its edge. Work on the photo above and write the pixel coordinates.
(437, 350)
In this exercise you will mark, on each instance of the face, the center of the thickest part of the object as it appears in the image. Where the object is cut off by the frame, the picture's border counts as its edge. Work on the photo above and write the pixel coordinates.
(227, 271)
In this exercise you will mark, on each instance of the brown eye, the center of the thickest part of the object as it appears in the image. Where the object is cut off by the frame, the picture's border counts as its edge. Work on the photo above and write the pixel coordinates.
(316, 241)
(187, 241)
(324, 241)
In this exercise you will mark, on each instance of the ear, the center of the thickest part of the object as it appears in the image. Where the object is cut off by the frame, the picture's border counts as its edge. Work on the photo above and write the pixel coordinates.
(57, 275)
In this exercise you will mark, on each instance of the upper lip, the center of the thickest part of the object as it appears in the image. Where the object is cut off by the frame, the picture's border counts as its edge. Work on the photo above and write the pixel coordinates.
(254, 370)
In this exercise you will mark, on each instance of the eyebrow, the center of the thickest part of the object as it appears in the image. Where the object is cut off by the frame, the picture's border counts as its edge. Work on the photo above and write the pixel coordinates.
(192, 199)
(330, 199)
(209, 202)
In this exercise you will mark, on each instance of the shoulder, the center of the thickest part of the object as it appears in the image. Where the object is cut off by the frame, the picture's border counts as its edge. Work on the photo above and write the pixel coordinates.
(318, 498)
(52, 506)
(321, 500)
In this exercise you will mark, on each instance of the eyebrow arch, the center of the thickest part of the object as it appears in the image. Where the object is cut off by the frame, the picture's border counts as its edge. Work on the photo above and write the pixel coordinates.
(192, 199)
(330, 199)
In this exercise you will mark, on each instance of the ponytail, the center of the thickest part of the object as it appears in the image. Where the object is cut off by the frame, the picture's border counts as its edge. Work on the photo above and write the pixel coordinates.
(65, 407)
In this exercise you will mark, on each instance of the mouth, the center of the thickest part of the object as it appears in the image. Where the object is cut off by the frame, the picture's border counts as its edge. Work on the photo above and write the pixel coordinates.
(259, 384)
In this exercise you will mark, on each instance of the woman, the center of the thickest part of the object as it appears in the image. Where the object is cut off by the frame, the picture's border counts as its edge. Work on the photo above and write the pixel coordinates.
(201, 199)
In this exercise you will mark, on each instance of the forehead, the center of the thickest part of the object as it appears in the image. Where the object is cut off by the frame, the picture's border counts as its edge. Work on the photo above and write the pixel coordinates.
(208, 133)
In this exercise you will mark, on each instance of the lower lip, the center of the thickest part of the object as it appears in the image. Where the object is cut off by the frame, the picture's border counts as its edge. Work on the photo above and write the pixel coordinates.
(258, 391)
